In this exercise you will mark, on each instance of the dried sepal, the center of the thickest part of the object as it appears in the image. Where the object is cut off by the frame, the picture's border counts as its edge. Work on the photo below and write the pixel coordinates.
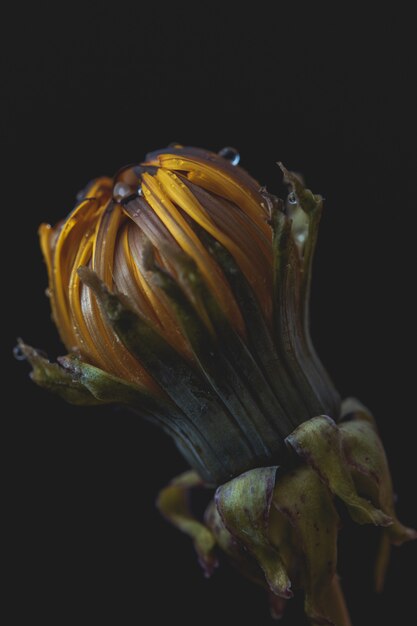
(369, 467)
(173, 502)
(319, 443)
(56, 379)
(238, 555)
(368, 464)
(308, 506)
(244, 504)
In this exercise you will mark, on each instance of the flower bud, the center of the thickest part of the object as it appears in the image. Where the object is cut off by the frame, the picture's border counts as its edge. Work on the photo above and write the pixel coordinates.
(180, 289)
(182, 279)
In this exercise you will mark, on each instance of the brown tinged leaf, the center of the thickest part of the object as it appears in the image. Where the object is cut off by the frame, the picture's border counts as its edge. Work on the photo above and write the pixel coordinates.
(369, 467)
(307, 503)
(319, 443)
(238, 555)
(56, 379)
(367, 460)
(244, 504)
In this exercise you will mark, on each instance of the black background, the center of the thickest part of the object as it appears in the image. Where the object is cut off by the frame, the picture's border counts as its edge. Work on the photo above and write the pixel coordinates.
(330, 93)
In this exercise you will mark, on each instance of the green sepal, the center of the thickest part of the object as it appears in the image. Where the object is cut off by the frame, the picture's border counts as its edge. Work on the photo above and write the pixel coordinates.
(81, 383)
(308, 201)
(54, 378)
(288, 324)
(173, 503)
(218, 371)
(226, 363)
(270, 418)
(369, 467)
(109, 389)
(212, 435)
(238, 555)
(243, 561)
(258, 335)
(244, 504)
(367, 460)
(309, 205)
(308, 505)
(292, 284)
(319, 443)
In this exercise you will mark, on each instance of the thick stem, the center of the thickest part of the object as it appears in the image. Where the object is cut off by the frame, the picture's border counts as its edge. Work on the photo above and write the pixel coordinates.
(334, 602)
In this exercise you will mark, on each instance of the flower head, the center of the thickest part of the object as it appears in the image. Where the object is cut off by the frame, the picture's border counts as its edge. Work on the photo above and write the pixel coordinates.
(180, 288)
(211, 276)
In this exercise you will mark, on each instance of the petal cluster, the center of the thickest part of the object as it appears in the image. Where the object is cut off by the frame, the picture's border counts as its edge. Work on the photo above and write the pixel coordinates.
(182, 277)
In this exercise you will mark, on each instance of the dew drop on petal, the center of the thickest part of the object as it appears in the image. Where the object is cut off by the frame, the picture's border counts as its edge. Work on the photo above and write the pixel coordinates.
(140, 191)
(18, 353)
(230, 154)
(121, 190)
(291, 199)
(80, 195)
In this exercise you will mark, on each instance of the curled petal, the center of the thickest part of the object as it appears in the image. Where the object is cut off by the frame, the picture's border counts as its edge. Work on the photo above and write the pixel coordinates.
(244, 504)
(219, 181)
(319, 442)
(368, 464)
(308, 505)
(239, 556)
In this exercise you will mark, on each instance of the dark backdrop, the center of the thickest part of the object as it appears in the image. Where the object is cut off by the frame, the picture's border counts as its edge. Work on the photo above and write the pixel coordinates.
(330, 94)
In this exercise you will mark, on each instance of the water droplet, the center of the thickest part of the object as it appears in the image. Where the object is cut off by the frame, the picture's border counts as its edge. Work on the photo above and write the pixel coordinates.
(18, 353)
(140, 192)
(291, 199)
(80, 195)
(47, 292)
(301, 236)
(121, 190)
(230, 154)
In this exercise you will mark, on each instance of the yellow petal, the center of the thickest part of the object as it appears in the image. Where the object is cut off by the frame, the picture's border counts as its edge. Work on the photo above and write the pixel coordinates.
(253, 265)
(190, 243)
(223, 183)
